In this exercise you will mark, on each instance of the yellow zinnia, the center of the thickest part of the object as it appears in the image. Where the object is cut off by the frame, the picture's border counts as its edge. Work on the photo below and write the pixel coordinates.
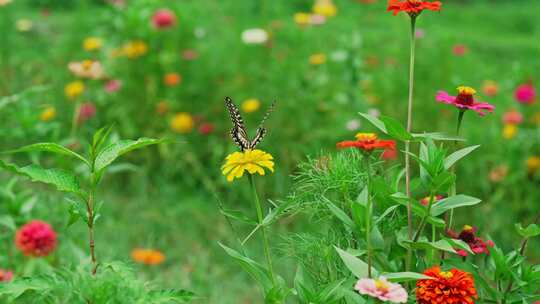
(48, 114)
(325, 8)
(92, 44)
(509, 131)
(254, 161)
(533, 164)
(182, 123)
(74, 89)
(317, 59)
(302, 19)
(251, 105)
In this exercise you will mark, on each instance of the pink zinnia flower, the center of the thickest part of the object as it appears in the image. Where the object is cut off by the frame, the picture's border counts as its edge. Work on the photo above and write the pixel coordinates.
(525, 93)
(87, 111)
(163, 18)
(512, 117)
(36, 239)
(465, 100)
(5, 275)
(382, 290)
(113, 85)
(460, 50)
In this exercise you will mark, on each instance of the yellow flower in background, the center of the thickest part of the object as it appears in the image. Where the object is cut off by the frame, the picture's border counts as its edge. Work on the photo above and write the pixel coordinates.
(317, 59)
(509, 131)
(252, 161)
(147, 256)
(325, 8)
(251, 105)
(535, 119)
(48, 114)
(74, 89)
(182, 123)
(132, 50)
(533, 164)
(24, 25)
(302, 19)
(92, 44)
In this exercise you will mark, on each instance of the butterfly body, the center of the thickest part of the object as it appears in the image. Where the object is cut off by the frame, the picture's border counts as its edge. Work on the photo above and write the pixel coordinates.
(238, 131)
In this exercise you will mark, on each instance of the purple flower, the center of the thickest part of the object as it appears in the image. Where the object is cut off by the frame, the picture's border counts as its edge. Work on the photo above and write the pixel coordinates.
(465, 101)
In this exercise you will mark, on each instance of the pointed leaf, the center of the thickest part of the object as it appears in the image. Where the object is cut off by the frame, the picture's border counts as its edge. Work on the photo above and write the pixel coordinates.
(453, 202)
(258, 272)
(358, 267)
(531, 231)
(111, 152)
(405, 276)
(50, 147)
(456, 156)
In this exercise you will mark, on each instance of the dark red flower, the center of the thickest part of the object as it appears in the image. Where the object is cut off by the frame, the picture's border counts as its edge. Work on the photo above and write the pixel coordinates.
(425, 200)
(412, 7)
(367, 142)
(468, 235)
(36, 239)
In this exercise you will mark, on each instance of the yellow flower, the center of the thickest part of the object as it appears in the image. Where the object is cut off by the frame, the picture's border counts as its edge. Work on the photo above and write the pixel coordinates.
(533, 164)
(535, 119)
(48, 114)
(147, 256)
(509, 131)
(24, 25)
(251, 105)
(317, 59)
(366, 136)
(134, 49)
(466, 90)
(254, 161)
(74, 89)
(92, 44)
(302, 19)
(182, 123)
(325, 8)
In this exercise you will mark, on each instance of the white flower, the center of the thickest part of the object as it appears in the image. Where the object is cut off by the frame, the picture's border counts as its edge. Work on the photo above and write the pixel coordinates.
(254, 36)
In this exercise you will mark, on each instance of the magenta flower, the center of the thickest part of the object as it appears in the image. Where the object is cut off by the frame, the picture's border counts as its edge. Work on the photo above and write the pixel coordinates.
(36, 239)
(512, 117)
(382, 289)
(87, 111)
(113, 85)
(5, 275)
(163, 18)
(465, 101)
(525, 93)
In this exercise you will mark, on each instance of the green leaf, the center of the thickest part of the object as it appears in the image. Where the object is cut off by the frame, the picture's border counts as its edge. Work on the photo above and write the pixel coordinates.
(340, 214)
(460, 244)
(453, 202)
(405, 276)
(443, 245)
(50, 147)
(436, 136)
(111, 152)
(358, 267)
(389, 125)
(531, 231)
(8, 222)
(237, 215)
(61, 179)
(456, 156)
(258, 272)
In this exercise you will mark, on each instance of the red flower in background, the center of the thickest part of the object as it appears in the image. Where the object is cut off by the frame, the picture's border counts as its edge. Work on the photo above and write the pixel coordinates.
(412, 7)
(163, 18)
(525, 94)
(87, 111)
(454, 286)
(5, 275)
(425, 200)
(206, 128)
(36, 239)
(468, 235)
(367, 142)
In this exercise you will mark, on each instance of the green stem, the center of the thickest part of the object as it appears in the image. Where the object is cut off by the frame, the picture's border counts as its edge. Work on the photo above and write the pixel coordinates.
(424, 219)
(260, 218)
(369, 210)
(453, 190)
(408, 143)
(90, 211)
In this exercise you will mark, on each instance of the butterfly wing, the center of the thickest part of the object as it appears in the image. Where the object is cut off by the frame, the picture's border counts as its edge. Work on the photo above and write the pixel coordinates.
(261, 131)
(238, 131)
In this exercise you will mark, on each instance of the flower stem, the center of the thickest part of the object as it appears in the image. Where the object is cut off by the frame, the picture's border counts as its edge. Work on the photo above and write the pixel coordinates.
(90, 213)
(260, 218)
(424, 219)
(408, 143)
(453, 190)
(369, 210)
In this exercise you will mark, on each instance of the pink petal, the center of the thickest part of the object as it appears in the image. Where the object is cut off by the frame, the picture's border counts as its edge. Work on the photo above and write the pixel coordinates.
(442, 96)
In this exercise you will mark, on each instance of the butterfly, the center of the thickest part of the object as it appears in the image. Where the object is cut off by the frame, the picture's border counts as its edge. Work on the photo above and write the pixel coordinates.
(239, 133)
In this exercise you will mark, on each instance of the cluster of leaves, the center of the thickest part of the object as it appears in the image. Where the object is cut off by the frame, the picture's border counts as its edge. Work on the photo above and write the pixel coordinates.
(115, 283)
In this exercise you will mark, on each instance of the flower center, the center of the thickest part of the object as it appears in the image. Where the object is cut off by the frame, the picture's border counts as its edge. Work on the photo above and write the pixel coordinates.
(366, 137)
(87, 64)
(382, 286)
(466, 95)
(446, 274)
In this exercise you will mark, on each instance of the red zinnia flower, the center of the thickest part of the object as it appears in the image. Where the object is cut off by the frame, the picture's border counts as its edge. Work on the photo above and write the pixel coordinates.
(425, 200)
(163, 18)
(454, 286)
(412, 7)
(468, 235)
(367, 142)
(36, 239)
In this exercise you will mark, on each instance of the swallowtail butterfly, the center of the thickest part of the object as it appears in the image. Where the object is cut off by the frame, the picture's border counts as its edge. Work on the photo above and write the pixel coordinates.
(239, 133)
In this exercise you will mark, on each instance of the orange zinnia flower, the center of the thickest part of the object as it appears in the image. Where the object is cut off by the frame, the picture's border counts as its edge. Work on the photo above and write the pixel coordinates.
(412, 7)
(454, 286)
(367, 142)
(147, 256)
